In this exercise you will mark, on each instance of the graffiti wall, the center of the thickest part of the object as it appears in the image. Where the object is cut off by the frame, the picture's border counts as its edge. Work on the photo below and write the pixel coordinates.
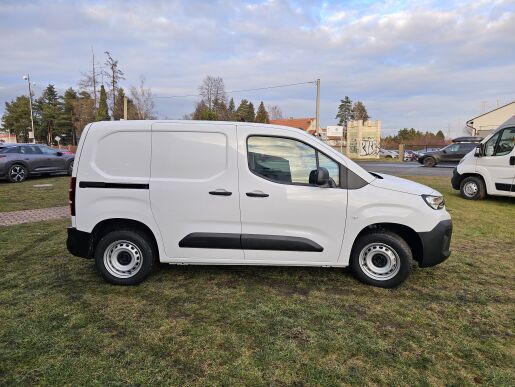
(363, 139)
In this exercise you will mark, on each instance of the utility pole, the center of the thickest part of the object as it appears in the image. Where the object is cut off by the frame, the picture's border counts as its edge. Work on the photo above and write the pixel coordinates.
(318, 108)
(27, 78)
(94, 75)
(125, 107)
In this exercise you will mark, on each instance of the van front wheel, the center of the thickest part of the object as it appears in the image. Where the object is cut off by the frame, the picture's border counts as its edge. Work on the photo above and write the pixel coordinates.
(381, 258)
(473, 188)
(124, 257)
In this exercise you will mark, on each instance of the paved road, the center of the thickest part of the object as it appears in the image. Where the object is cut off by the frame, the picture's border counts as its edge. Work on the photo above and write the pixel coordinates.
(26, 216)
(407, 168)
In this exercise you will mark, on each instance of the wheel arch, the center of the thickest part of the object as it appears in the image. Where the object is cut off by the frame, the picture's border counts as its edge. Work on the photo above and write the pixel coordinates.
(112, 224)
(409, 235)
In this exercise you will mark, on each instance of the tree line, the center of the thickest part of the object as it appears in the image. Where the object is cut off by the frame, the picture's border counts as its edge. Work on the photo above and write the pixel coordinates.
(412, 136)
(215, 106)
(66, 115)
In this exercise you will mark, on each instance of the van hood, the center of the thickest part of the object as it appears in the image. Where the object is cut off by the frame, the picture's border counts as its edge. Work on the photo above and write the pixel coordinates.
(398, 184)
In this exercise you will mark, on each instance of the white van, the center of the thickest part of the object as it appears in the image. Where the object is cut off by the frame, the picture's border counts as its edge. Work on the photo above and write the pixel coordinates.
(490, 168)
(203, 193)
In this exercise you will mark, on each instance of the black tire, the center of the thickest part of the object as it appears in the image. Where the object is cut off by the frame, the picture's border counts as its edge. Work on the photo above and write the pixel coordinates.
(124, 245)
(429, 162)
(69, 169)
(473, 188)
(381, 245)
(17, 173)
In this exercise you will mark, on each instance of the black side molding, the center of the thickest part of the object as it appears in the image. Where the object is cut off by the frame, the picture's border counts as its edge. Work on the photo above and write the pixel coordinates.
(99, 184)
(503, 187)
(278, 242)
(207, 240)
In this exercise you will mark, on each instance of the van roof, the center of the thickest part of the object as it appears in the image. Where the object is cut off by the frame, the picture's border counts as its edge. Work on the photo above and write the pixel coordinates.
(148, 123)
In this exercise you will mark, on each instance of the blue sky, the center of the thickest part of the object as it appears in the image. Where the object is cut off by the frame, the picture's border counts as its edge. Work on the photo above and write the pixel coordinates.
(426, 64)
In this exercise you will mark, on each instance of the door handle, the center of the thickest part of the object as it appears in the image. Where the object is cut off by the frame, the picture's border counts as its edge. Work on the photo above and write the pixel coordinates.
(257, 194)
(220, 192)
(512, 160)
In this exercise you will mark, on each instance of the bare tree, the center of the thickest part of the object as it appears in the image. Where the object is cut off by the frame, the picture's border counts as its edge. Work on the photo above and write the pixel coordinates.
(89, 80)
(114, 74)
(143, 100)
(211, 89)
(274, 112)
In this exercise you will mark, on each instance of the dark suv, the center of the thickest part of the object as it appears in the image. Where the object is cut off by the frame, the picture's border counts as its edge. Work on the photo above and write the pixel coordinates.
(452, 153)
(18, 161)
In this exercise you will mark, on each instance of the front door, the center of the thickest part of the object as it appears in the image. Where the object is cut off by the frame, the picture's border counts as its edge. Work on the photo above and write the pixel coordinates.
(52, 160)
(194, 190)
(286, 218)
(498, 162)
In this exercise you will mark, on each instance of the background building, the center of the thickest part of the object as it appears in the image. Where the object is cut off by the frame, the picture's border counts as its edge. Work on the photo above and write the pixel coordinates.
(363, 139)
(307, 124)
(485, 123)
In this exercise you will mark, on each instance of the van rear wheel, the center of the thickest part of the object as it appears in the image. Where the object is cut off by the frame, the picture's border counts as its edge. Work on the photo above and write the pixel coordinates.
(124, 257)
(381, 258)
(473, 188)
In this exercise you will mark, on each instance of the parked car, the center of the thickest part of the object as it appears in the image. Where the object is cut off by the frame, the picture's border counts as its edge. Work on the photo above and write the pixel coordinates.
(489, 168)
(19, 161)
(452, 153)
(388, 154)
(193, 192)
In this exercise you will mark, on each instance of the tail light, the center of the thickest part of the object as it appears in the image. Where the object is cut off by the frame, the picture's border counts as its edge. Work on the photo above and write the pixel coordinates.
(71, 195)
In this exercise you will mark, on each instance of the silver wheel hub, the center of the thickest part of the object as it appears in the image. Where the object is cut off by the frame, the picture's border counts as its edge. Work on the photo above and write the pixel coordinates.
(17, 173)
(123, 259)
(379, 261)
(470, 189)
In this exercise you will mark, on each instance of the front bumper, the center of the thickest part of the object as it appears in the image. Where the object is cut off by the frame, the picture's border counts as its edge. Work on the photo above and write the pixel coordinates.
(456, 179)
(79, 243)
(436, 243)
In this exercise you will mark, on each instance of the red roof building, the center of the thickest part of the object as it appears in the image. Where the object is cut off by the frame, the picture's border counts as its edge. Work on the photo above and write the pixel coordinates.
(306, 124)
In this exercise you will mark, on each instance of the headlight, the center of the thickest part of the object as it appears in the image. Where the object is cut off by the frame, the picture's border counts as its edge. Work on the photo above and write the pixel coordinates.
(435, 202)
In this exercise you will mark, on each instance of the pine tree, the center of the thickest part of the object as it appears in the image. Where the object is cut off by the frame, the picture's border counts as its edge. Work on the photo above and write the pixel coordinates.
(251, 115)
(69, 99)
(103, 110)
(262, 114)
(49, 112)
(16, 118)
(245, 111)
(440, 135)
(344, 112)
(232, 110)
(220, 109)
(359, 112)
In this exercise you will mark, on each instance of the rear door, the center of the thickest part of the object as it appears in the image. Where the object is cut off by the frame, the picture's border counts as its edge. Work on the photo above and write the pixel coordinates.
(497, 164)
(194, 190)
(34, 158)
(285, 218)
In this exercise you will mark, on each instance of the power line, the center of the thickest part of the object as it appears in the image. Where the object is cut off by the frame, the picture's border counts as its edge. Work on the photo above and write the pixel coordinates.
(238, 91)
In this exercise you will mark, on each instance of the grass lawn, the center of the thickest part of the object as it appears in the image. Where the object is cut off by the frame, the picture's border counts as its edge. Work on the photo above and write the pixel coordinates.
(24, 196)
(453, 324)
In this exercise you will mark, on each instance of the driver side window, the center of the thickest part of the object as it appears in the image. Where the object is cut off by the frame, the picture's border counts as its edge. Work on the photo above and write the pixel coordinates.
(506, 143)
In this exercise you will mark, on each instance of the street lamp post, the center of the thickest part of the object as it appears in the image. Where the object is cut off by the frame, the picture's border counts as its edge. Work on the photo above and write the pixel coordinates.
(27, 78)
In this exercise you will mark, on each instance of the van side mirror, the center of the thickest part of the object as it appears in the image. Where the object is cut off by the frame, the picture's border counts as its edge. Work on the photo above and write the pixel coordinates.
(322, 176)
(477, 151)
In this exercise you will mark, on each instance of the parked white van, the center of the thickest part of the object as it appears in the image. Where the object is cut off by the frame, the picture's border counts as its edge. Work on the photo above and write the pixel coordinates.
(490, 168)
(203, 193)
